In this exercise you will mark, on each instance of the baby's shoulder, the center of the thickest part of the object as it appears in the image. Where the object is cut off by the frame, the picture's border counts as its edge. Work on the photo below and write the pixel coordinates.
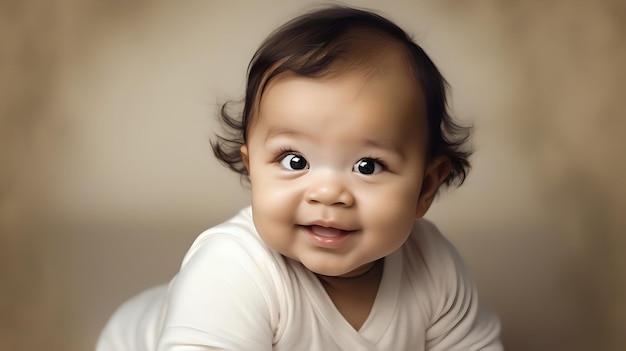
(426, 239)
(430, 254)
(232, 238)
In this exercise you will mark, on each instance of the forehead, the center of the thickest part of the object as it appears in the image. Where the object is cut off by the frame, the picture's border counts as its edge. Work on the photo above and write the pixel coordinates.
(383, 104)
(360, 50)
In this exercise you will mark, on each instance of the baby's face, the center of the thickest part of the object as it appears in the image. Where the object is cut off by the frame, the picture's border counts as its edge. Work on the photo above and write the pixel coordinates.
(337, 166)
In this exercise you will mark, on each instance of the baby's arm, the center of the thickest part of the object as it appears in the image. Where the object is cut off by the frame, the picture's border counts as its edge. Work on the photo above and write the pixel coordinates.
(460, 322)
(218, 301)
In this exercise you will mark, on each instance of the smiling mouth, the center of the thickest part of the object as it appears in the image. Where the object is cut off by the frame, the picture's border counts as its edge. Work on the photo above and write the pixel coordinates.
(325, 231)
(328, 237)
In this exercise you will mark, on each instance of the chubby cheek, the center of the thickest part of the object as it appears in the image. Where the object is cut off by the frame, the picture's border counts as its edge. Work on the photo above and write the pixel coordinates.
(274, 211)
(272, 195)
(391, 215)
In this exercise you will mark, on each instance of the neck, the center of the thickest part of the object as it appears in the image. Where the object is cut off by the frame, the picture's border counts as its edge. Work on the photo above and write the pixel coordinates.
(363, 273)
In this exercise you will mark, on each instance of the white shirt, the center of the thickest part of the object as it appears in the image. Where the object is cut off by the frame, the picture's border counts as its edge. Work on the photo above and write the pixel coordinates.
(235, 293)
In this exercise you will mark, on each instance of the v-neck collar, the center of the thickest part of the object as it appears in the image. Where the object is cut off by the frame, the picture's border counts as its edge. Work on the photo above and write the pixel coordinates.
(380, 315)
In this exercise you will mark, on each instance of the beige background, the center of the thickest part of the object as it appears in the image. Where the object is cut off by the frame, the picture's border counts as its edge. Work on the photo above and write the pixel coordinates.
(106, 175)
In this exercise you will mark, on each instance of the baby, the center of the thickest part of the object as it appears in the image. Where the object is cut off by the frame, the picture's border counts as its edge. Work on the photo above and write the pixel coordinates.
(345, 139)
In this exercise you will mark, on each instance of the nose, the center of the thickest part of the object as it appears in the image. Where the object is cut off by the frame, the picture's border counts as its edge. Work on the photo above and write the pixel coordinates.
(329, 191)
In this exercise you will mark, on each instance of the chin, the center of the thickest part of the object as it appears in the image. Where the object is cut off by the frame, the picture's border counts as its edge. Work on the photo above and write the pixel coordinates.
(330, 271)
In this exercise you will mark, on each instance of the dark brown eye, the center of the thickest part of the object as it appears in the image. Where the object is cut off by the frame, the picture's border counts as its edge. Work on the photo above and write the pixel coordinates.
(368, 166)
(294, 162)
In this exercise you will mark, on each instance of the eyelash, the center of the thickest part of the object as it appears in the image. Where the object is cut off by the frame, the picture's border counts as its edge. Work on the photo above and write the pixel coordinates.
(282, 152)
(376, 159)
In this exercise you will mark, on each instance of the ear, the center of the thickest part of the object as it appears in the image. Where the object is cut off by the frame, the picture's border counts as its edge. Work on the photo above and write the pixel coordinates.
(245, 157)
(436, 172)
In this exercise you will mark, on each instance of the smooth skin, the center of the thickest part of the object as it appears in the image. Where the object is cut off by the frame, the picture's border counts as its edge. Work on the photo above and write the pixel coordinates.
(339, 173)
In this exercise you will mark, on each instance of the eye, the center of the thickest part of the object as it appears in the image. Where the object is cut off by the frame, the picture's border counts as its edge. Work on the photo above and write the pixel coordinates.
(368, 165)
(294, 162)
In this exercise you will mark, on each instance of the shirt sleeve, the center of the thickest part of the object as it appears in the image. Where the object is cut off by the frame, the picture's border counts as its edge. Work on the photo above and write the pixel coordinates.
(220, 300)
(459, 320)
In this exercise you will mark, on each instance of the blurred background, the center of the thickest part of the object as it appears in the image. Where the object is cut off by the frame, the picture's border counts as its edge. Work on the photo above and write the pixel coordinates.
(106, 172)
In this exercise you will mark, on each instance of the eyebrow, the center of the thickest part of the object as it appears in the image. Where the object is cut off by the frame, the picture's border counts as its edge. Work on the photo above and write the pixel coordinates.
(274, 132)
(393, 147)
(390, 146)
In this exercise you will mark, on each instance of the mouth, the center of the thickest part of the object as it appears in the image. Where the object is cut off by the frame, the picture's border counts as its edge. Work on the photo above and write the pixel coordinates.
(327, 237)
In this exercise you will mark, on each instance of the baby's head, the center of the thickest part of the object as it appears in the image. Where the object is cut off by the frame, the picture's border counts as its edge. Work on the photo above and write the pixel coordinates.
(337, 40)
(345, 137)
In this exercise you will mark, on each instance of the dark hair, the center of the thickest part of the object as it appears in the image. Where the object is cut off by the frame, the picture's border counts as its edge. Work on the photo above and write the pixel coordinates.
(322, 42)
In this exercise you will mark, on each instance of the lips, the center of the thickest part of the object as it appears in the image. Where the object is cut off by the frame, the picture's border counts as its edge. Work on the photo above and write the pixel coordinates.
(325, 231)
(328, 237)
